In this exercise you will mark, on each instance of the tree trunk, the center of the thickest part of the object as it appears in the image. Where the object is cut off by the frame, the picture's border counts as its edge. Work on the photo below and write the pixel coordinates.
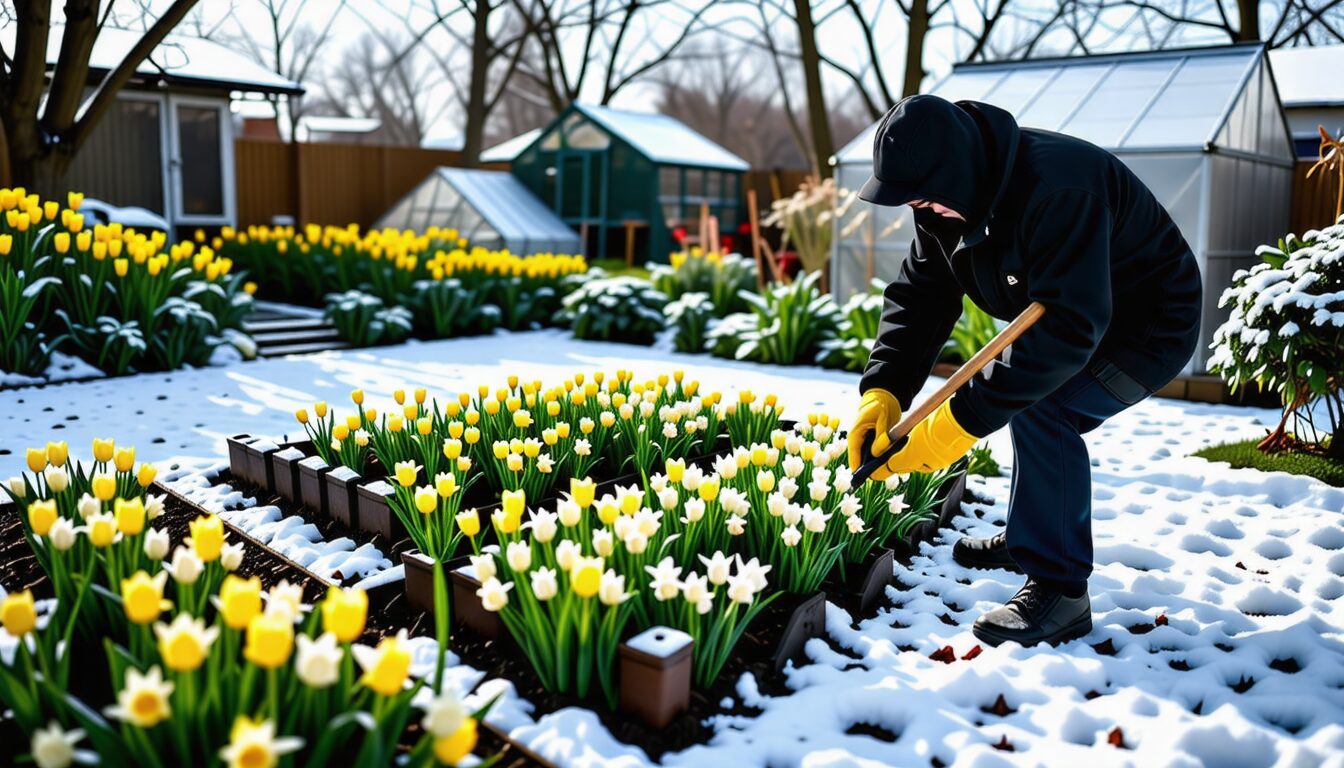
(474, 131)
(917, 28)
(1249, 27)
(822, 144)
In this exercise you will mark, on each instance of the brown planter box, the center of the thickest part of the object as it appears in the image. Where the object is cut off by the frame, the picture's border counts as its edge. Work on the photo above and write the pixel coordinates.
(807, 621)
(285, 471)
(259, 469)
(655, 675)
(375, 515)
(467, 608)
(342, 495)
(419, 581)
(312, 481)
(238, 464)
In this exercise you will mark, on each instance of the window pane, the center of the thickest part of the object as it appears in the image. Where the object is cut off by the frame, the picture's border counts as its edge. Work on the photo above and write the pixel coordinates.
(1189, 108)
(198, 137)
(669, 182)
(585, 135)
(695, 184)
(968, 85)
(1112, 107)
(1017, 90)
(1056, 104)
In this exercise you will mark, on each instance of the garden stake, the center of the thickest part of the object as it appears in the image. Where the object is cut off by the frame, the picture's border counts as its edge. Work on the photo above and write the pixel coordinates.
(996, 345)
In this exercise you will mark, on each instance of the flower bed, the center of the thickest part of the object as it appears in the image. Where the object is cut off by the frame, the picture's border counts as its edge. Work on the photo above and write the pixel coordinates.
(648, 537)
(121, 300)
(168, 606)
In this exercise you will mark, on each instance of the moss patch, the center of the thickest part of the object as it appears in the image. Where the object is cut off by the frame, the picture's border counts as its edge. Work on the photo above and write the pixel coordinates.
(618, 268)
(1244, 454)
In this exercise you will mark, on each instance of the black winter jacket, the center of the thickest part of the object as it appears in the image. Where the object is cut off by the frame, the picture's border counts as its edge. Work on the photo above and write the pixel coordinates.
(1052, 219)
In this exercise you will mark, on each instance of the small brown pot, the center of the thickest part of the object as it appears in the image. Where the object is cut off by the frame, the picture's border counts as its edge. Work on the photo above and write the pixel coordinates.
(655, 675)
(467, 608)
(342, 495)
(807, 621)
(420, 581)
(375, 514)
(312, 481)
(259, 469)
(285, 470)
(238, 464)
(872, 588)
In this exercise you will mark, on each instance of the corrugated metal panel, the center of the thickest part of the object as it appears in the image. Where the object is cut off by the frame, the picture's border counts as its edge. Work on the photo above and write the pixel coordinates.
(663, 139)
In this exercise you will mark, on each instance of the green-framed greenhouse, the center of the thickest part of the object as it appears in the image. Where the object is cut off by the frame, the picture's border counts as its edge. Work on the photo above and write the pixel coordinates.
(615, 175)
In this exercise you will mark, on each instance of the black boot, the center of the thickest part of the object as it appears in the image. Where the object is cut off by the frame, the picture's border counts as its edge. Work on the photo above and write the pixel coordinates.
(1038, 613)
(984, 553)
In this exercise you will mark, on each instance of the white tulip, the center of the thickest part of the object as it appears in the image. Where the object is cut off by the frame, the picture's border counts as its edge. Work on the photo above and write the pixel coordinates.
(156, 544)
(494, 595)
(897, 504)
(695, 509)
(603, 543)
(636, 543)
(544, 584)
(822, 458)
(844, 479)
(788, 486)
(543, 525)
(792, 514)
(740, 591)
(776, 504)
(568, 512)
(483, 566)
(611, 590)
(737, 525)
(793, 466)
(818, 490)
(726, 466)
(153, 506)
(821, 474)
(658, 482)
(791, 536)
(185, 567)
(717, 567)
(54, 747)
(814, 520)
(753, 572)
(850, 505)
(668, 498)
(692, 477)
(318, 662)
(695, 587)
(582, 447)
(444, 716)
(822, 433)
(231, 556)
(664, 579)
(648, 522)
(58, 479)
(793, 443)
(566, 552)
(17, 488)
(87, 506)
(854, 524)
(519, 556)
(285, 599)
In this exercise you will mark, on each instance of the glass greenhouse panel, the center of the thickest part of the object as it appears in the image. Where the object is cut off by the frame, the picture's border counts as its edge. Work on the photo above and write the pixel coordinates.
(1015, 92)
(968, 86)
(1063, 97)
(1188, 110)
(1114, 105)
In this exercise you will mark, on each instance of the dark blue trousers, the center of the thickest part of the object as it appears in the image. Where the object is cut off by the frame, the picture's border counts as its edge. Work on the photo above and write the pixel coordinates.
(1050, 510)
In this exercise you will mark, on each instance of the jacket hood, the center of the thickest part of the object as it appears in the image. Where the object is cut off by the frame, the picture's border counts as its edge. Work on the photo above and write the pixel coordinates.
(957, 155)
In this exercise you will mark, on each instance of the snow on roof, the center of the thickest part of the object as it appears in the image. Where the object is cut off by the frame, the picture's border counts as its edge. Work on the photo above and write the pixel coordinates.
(339, 124)
(1309, 76)
(511, 208)
(190, 60)
(506, 151)
(663, 139)
(1168, 99)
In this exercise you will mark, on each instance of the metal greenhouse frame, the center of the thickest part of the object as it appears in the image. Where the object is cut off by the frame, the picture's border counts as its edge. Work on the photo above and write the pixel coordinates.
(1203, 128)
(489, 208)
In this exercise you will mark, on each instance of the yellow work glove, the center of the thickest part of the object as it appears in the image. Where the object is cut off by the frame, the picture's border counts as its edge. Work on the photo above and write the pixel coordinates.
(934, 443)
(878, 411)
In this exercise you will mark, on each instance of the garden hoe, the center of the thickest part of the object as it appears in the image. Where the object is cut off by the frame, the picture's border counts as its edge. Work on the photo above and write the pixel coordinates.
(971, 367)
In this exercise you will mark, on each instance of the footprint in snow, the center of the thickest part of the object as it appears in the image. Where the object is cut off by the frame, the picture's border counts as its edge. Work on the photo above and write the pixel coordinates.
(1273, 549)
(1263, 601)
(1198, 543)
(1224, 529)
(1328, 538)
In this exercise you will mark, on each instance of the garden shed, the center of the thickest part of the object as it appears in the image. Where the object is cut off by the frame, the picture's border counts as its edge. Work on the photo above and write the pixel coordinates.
(625, 180)
(489, 208)
(1203, 128)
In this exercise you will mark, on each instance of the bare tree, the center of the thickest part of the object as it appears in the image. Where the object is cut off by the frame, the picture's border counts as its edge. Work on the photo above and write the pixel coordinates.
(36, 134)
(291, 43)
(380, 76)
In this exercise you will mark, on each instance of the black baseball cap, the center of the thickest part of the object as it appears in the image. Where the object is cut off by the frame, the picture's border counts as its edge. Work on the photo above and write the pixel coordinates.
(927, 148)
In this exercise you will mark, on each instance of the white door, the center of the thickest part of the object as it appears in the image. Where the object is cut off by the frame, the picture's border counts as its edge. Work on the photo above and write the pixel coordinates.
(200, 141)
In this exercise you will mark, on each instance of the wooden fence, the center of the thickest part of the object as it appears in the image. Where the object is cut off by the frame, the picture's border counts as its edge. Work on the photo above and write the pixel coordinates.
(327, 183)
(1314, 199)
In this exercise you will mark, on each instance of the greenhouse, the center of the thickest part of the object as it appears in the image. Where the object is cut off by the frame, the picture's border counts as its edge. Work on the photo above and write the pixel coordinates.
(626, 180)
(489, 208)
(1203, 128)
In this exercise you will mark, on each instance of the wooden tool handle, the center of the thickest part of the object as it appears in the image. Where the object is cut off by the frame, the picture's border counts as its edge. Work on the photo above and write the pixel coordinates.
(978, 361)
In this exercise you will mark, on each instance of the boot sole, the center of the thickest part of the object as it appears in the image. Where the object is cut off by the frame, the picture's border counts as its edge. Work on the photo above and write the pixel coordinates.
(985, 565)
(1077, 629)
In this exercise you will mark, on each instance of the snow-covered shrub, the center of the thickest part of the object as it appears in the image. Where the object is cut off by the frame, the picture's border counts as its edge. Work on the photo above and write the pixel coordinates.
(858, 330)
(1285, 332)
(445, 308)
(363, 320)
(786, 326)
(625, 309)
(690, 316)
(721, 277)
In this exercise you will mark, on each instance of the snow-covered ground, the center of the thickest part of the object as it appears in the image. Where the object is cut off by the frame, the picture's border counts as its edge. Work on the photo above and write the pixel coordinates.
(1246, 567)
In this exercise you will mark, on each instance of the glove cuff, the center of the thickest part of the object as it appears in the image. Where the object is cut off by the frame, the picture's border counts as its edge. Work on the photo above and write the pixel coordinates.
(949, 429)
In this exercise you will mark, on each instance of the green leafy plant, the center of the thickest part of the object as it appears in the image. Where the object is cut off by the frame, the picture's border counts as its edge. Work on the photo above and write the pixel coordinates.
(721, 277)
(363, 319)
(690, 316)
(1284, 332)
(623, 309)
(791, 323)
(974, 329)
(980, 462)
(858, 330)
(446, 308)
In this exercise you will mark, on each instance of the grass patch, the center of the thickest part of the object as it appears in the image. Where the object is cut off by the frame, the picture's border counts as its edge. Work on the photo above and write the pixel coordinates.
(1244, 454)
(618, 268)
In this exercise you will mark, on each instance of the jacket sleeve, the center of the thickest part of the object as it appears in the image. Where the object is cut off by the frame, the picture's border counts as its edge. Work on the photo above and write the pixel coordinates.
(1068, 245)
(920, 309)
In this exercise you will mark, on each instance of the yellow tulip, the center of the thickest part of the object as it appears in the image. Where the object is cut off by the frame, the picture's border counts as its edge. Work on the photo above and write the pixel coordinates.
(123, 459)
(587, 576)
(145, 477)
(301, 415)
(320, 409)
(386, 667)
(62, 242)
(102, 529)
(58, 453)
(400, 396)
(340, 432)
(207, 537)
(424, 425)
(445, 484)
(239, 600)
(420, 394)
(469, 522)
(130, 516)
(102, 450)
(41, 515)
(352, 421)
(344, 612)
(142, 597)
(450, 750)
(709, 489)
(582, 491)
(406, 473)
(270, 639)
(357, 396)
(395, 423)
(18, 613)
(676, 469)
(184, 644)
(104, 486)
(426, 500)
(121, 266)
